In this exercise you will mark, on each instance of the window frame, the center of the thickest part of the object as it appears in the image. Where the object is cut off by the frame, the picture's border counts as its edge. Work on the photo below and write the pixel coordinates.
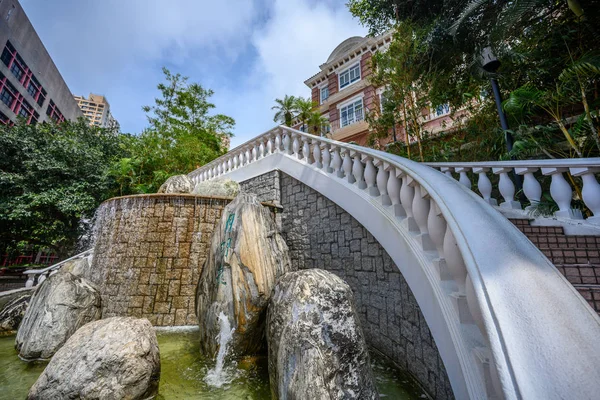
(321, 99)
(349, 71)
(345, 107)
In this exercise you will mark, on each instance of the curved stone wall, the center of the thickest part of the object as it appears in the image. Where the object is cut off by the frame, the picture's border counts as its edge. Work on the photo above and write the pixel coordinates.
(320, 234)
(149, 253)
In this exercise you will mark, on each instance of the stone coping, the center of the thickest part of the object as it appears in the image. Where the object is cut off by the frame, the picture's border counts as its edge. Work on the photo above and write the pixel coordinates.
(187, 196)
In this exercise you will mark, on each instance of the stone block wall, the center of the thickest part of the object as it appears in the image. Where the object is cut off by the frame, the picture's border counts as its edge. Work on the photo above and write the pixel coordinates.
(266, 187)
(321, 234)
(149, 254)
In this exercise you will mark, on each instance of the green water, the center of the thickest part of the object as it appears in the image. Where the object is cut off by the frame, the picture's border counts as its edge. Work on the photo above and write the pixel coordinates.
(182, 372)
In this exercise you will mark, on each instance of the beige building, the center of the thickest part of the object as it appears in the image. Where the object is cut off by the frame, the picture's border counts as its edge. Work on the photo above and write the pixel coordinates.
(97, 111)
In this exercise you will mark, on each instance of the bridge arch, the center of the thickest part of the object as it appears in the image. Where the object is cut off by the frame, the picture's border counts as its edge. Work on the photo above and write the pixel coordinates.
(461, 259)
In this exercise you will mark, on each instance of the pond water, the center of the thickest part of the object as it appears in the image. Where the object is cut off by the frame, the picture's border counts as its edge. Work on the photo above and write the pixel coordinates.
(183, 370)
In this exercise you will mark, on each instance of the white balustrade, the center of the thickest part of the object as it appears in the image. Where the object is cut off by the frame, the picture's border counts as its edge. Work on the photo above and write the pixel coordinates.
(358, 170)
(382, 182)
(484, 185)
(393, 189)
(590, 191)
(370, 175)
(531, 187)
(336, 162)
(347, 166)
(306, 150)
(316, 152)
(507, 188)
(561, 192)
(463, 178)
(326, 154)
(296, 145)
(278, 140)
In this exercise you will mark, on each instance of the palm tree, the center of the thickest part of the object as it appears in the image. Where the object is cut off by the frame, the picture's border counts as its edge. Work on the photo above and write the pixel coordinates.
(286, 109)
(317, 123)
(305, 109)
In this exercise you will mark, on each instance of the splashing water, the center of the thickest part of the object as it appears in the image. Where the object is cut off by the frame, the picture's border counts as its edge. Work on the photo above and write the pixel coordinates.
(219, 376)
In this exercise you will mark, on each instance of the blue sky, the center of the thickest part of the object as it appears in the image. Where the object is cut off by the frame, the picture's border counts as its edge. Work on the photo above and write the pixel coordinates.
(248, 51)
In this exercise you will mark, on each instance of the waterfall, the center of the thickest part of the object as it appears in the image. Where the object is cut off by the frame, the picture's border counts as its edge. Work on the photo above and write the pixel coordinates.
(218, 376)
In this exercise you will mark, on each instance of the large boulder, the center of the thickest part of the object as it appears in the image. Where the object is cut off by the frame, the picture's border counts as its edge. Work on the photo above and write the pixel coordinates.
(13, 312)
(114, 358)
(78, 267)
(246, 257)
(60, 305)
(217, 187)
(177, 184)
(316, 346)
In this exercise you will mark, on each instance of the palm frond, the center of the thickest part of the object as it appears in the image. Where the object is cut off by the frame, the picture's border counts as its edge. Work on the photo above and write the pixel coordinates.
(586, 66)
(469, 10)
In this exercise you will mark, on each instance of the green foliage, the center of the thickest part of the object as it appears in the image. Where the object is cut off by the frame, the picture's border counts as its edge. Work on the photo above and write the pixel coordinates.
(52, 176)
(182, 136)
(286, 110)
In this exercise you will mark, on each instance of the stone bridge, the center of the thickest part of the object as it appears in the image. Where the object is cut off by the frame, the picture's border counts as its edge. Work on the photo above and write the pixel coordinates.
(447, 287)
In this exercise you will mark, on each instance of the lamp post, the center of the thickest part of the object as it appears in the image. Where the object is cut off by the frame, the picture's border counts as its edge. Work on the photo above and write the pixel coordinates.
(491, 64)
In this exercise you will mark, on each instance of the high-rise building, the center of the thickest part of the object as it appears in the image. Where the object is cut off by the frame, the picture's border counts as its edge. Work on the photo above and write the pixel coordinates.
(30, 84)
(97, 111)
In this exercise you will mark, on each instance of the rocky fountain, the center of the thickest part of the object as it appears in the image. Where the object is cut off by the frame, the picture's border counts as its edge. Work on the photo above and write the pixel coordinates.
(176, 259)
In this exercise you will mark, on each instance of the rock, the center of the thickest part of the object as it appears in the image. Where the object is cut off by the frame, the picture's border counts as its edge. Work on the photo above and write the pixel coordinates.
(114, 358)
(177, 184)
(316, 346)
(217, 187)
(60, 305)
(78, 267)
(246, 256)
(12, 313)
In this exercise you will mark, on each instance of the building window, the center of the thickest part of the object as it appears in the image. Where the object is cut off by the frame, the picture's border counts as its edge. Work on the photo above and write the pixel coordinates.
(442, 110)
(350, 76)
(8, 92)
(53, 112)
(351, 113)
(21, 71)
(324, 91)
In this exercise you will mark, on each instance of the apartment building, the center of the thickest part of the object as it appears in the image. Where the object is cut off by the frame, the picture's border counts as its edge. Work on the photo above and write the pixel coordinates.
(97, 110)
(31, 86)
(344, 94)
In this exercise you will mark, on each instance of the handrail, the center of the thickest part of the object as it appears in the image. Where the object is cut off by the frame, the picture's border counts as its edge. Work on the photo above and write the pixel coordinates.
(44, 273)
(496, 290)
(560, 189)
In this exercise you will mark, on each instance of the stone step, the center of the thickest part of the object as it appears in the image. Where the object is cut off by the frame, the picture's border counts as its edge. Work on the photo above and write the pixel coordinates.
(561, 241)
(579, 274)
(573, 255)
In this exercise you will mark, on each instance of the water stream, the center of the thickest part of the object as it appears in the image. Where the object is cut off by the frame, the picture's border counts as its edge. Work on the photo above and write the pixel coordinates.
(217, 376)
(184, 371)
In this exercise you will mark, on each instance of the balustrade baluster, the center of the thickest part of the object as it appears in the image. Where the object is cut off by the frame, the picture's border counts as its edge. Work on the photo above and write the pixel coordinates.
(484, 185)
(561, 193)
(229, 165)
(287, 143)
(531, 186)
(336, 162)
(347, 165)
(590, 191)
(296, 145)
(420, 209)
(278, 140)
(382, 181)
(358, 170)
(458, 271)
(326, 156)
(370, 174)
(316, 152)
(447, 171)
(248, 156)
(254, 152)
(436, 224)
(393, 189)
(407, 194)
(306, 150)
(269, 145)
(507, 188)
(464, 178)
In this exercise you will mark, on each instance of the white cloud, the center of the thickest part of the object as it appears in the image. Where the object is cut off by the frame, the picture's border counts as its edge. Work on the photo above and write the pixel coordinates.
(298, 37)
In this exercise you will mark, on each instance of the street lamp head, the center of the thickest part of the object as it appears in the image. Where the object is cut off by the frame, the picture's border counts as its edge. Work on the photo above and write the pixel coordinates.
(489, 62)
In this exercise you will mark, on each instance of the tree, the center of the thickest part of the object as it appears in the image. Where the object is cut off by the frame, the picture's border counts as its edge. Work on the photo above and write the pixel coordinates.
(51, 177)
(317, 123)
(304, 108)
(286, 110)
(182, 135)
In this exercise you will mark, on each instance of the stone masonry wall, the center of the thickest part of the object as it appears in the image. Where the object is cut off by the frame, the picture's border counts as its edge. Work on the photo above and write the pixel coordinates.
(149, 253)
(266, 187)
(321, 234)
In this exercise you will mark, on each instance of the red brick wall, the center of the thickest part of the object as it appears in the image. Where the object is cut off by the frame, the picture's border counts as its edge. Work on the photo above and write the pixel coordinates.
(315, 95)
(333, 84)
